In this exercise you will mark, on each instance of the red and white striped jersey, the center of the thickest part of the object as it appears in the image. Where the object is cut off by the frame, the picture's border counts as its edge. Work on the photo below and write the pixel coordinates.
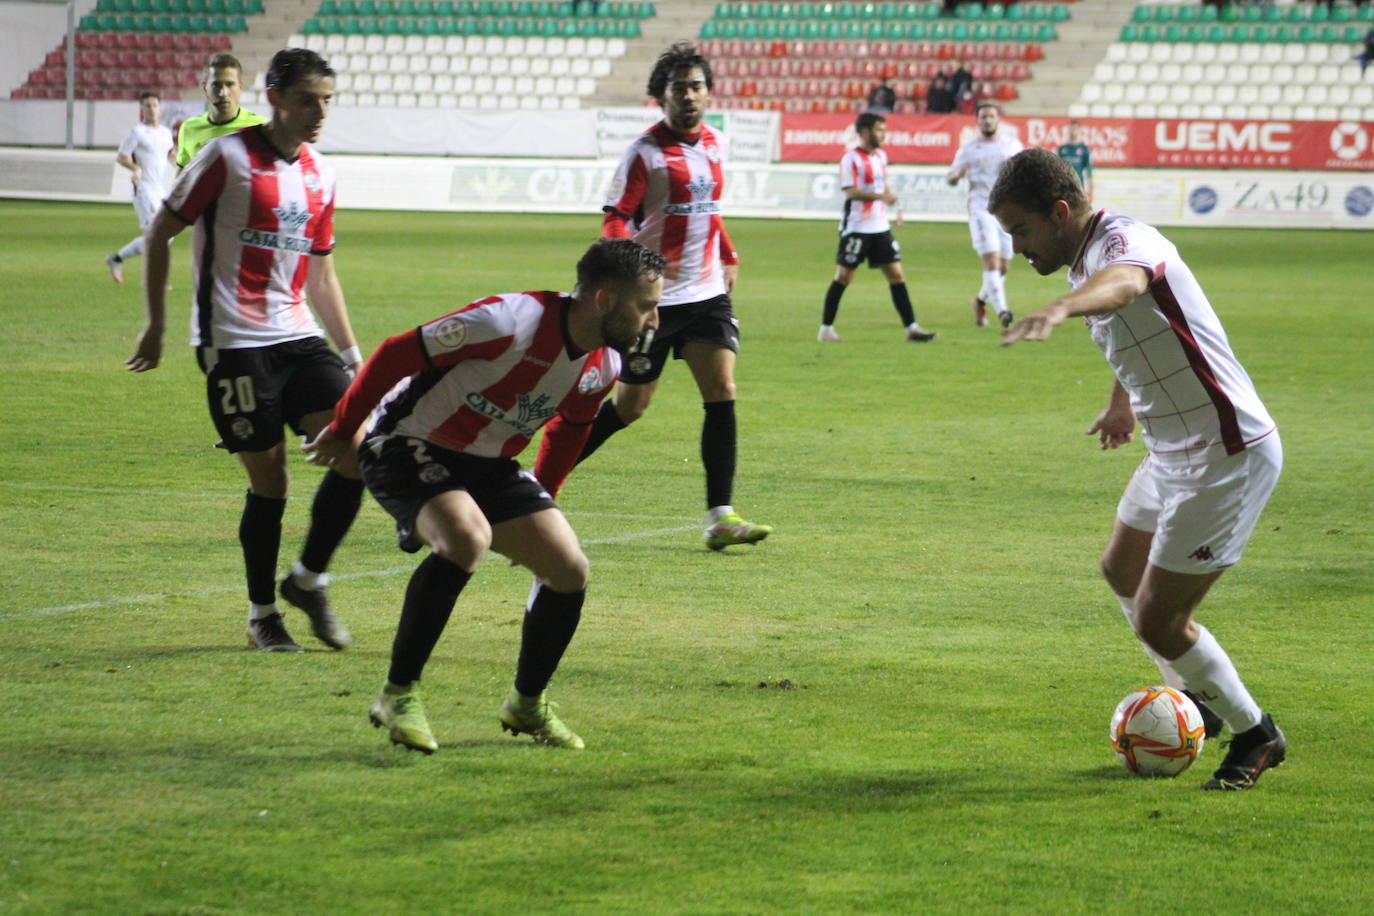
(257, 219)
(867, 172)
(670, 187)
(1169, 351)
(984, 159)
(481, 380)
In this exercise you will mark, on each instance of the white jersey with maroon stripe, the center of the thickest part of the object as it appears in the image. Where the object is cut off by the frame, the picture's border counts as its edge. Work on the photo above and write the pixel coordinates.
(1169, 351)
(670, 188)
(984, 159)
(866, 172)
(497, 371)
(257, 219)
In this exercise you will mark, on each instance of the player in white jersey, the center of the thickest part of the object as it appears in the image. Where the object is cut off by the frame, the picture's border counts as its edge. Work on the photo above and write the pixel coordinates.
(979, 160)
(1213, 451)
(262, 202)
(146, 153)
(666, 195)
(456, 400)
(865, 232)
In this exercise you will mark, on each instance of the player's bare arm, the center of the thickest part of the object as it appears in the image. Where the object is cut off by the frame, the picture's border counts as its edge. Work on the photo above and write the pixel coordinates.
(953, 176)
(860, 194)
(326, 448)
(326, 295)
(157, 265)
(1106, 291)
(1115, 425)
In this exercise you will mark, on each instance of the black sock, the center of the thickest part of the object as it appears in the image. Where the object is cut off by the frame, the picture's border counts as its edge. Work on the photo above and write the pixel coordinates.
(550, 622)
(331, 514)
(434, 588)
(832, 302)
(260, 537)
(718, 451)
(607, 424)
(901, 301)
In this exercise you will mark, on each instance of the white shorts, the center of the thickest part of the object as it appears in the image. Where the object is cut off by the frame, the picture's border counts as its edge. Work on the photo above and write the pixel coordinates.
(1202, 517)
(146, 206)
(987, 234)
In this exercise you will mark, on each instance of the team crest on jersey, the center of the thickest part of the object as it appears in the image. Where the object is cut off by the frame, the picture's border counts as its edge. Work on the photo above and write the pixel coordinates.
(712, 152)
(590, 381)
(433, 473)
(1114, 247)
(451, 333)
(312, 182)
(292, 219)
(242, 428)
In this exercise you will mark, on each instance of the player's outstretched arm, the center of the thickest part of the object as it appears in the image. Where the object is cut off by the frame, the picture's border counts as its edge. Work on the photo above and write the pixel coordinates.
(1106, 291)
(326, 295)
(326, 448)
(1116, 423)
(157, 265)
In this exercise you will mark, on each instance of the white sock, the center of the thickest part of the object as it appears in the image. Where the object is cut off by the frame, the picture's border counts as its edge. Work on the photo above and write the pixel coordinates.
(1207, 671)
(1166, 671)
(715, 512)
(985, 291)
(132, 250)
(306, 579)
(259, 611)
(997, 290)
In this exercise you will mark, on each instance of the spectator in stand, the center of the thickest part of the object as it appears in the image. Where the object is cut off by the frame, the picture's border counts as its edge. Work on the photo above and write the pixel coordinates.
(939, 100)
(960, 82)
(1365, 56)
(883, 98)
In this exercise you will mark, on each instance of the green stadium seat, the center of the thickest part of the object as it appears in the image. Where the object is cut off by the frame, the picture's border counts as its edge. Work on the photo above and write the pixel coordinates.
(708, 29)
(958, 31)
(764, 11)
(1365, 13)
(1059, 12)
(748, 29)
(629, 29)
(1017, 12)
(724, 11)
(1319, 14)
(1188, 13)
(1341, 14)
(844, 10)
(1251, 14)
(1003, 31)
(1306, 34)
(790, 29)
(1035, 12)
(917, 31)
(980, 31)
(1172, 33)
(851, 29)
(329, 8)
(1218, 34)
(1195, 33)
(362, 8)
(1273, 14)
(995, 11)
(1207, 14)
(1046, 33)
(1149, 32)
(768, 29)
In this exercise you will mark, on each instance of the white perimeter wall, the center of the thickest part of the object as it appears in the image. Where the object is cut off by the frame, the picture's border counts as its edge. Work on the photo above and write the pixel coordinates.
(1164, 197)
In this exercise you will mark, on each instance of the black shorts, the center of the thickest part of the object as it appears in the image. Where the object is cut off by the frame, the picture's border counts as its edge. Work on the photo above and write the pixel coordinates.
(404, 473)
(877, 248)
(252, 391)
(709, 321)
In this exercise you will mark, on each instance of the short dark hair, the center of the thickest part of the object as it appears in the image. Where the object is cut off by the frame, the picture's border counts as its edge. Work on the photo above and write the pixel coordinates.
(221, 61)
(867, 120)
(681, 56)
(1033, 180)
(617, 262)
(291, 65)
(149, 94)
(987, 103)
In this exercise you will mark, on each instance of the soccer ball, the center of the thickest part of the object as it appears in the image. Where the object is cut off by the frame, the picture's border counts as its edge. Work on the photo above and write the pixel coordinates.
(1156, 731)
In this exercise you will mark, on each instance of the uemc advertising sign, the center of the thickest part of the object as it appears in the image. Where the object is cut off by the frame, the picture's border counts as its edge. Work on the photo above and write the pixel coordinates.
(1127, 142)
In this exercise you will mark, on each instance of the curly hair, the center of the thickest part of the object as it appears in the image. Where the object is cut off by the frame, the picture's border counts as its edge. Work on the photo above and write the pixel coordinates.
(1033, 180)
(681, 56)
(868, 119)
(617, 263)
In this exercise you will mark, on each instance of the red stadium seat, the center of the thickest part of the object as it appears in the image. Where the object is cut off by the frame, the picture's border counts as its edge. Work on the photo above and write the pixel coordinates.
(108, 59)
(124, 41)
(945, 51)
(126, 59)
(919, 90)
(1033, 52)
(867, 69)
(777, 49)
(86, 40)
(926, 50)
(1007, 92)
(844, 68)
(791, 89)
(978, 71)
(998, 72)
(145, 41)
(108, 41)
(1009, 51)
(803, 68)
(888, 69)
(819, 106)
(825, 69)
(855, 90)
(830, 88)
(837, 48)
(1020, 72)
(987, 51)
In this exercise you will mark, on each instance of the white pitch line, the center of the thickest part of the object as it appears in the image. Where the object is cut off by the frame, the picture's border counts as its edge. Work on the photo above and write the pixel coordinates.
(340, 577)
(238, 495)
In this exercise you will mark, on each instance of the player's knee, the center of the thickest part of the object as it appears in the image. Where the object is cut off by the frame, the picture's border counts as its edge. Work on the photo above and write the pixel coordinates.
(1122, 576)
(461, 546)
(631, 409)
(570, 575)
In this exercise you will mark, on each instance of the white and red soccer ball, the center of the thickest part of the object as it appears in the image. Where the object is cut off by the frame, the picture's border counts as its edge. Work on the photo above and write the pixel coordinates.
(1157, 731)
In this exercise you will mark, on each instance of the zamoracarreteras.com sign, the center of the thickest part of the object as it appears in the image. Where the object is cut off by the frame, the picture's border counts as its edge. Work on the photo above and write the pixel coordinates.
(1130, 142)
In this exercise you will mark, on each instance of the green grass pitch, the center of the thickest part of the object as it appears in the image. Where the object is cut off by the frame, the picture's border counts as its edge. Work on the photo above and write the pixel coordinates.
(897, 704)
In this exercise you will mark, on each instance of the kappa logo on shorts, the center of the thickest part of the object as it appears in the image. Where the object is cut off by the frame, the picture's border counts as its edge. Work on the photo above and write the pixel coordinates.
(1203, 553)
(590, 380)
(433, 473)
(450, 333)
(242, 428)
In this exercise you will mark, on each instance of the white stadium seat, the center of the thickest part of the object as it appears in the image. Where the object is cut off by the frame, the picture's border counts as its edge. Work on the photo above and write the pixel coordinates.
(564, 86)
(1213, 112)
(1362, 95)
(596, 47)
(342, 82)
(1249, 53)
(434, 44)
(355, 44)
(1270, 95)
(424, 83)
(418, 64)
(1116, 53)
(585, 86)
(463, 85)
(333, 44)
(1169, 73)
(1161, 52)
(503, 85)
(381, 82)
(414, 44)
(1271, 53)
(473, 46)
(1123, 110)
(549, 103)
(483, 85)
(1205, 54)
(1192, 73)
(1305, 113)
(571, 103)
(1168, 110)
(529, 103)
(488, 102)
(458, 63)
(1103, 73)
(478, 65)
(1135, 93)
(453, 44)
(346, 100)
(402, 82)
(543, 86)
(1230, 73)
(1179, 94)
(406, 100)
(1113, 92)
(601, 67)
(448, 101)
(1184, 53)
(443, 84)
(555, 47)
(498, 66)
(1279, 73)
(398, 63)
(1294, 53)
(1099, 110)
(1329, 74)
(508, 102)
(1078, 110)
(374, 44)
(494, 46)
(378, 63)
(1247, 94)
(1228, 53)
(1157, 93)
(1305, 73)
(393, 44)
(362, 82)
(1092, 92)
(560, 66)
(438, 64)
(515, 46)
(581, 66)
(519, 66)
(1190, 110)
(1224, 94)
(1146, 110)
(1202, 93)
(534, 45)
(367, 100)
(576, 47)
(1301, 95)
(1234, 112)
(1136, 52)
(428, 100)
(615, 47)
(524, 85)
(1328, 112)
(1260, 112)
(386, 100)
(1350, 113)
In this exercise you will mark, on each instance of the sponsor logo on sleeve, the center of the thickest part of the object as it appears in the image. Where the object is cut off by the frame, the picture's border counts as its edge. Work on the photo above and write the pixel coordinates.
(450, 333)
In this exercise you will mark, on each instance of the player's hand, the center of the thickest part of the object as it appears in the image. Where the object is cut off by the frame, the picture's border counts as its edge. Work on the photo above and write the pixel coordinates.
(1114, 427)
(1035, 326)
(890, 199)
(325, 449)
(898, 222)
(148, 353)
(731, 275)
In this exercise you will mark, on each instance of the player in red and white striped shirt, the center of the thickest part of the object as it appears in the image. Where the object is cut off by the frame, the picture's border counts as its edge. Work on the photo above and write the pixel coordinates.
(666, 195)
(456, 400)
(1213, 451)
(262, 203)
(865, 232)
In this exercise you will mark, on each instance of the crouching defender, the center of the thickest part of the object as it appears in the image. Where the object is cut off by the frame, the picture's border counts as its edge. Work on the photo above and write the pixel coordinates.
(459, 398)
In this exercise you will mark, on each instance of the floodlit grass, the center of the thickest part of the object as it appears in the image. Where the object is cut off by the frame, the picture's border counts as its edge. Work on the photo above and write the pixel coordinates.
(897, 704)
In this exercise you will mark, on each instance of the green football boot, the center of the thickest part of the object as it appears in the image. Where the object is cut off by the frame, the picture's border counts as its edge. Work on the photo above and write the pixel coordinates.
(730, 528)
(403, 714)
(534, 716)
